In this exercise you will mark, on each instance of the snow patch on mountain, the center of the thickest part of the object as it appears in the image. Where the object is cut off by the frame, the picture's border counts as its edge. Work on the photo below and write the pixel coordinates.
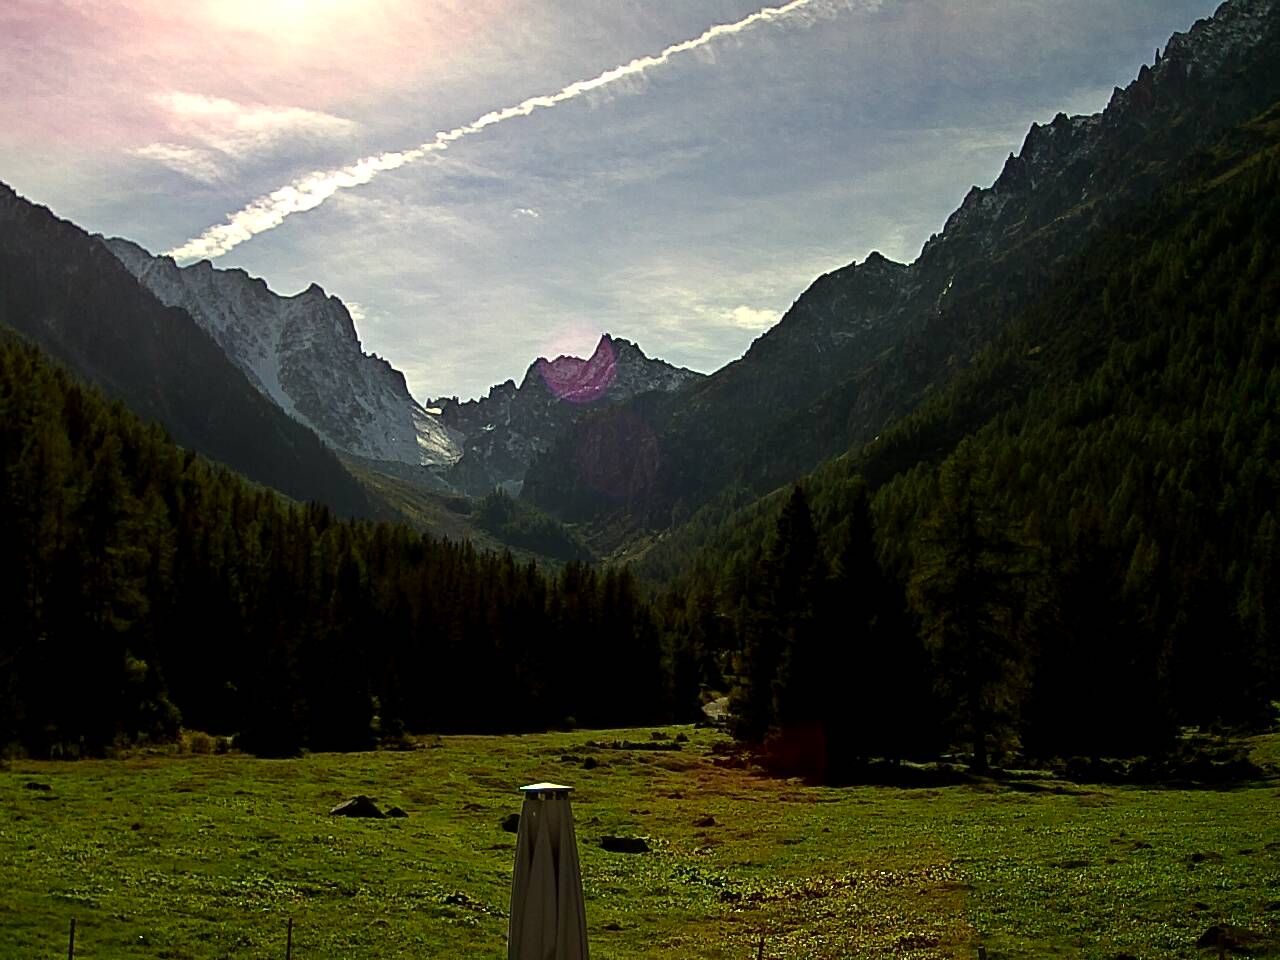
(302, 352)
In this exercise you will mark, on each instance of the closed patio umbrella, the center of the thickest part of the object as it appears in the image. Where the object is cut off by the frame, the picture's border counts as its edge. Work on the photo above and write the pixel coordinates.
(548, 920)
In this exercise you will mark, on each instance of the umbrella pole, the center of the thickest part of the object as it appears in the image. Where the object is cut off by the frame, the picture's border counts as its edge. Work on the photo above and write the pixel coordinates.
(547, 918)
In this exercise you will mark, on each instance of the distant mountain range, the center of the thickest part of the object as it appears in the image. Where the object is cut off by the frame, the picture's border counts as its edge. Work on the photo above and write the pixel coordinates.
(620, 441)
(273, 386)
(303, 353)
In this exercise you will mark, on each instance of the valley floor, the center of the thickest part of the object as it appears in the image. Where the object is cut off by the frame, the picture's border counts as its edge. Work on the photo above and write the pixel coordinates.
(204, 857)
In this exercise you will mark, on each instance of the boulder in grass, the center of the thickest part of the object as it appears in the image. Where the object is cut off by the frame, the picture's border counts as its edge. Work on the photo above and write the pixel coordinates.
(624, 844)
(360, 806)
(511, 823)
(397, 812)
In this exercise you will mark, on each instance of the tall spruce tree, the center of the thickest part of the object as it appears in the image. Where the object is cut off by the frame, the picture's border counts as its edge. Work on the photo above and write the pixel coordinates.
(780, 672)
(879, 700)
(796, 576)
(970, 588)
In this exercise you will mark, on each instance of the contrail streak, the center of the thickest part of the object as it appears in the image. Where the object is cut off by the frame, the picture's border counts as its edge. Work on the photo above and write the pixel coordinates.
(308, 192)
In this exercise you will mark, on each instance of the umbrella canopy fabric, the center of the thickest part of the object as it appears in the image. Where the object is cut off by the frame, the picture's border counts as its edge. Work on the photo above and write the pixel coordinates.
(548, 919)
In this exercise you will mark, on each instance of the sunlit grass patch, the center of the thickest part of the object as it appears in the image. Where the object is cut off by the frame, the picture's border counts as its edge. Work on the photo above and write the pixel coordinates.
(208, 856)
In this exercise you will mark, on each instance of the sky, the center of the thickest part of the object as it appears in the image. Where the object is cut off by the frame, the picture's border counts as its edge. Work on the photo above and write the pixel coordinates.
(480, 183)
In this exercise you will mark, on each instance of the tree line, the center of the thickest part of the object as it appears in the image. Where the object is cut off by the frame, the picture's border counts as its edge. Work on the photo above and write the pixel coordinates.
(145, 587)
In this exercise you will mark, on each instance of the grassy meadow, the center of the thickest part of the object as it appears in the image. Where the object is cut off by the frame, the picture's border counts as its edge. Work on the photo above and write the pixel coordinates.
(202, 857)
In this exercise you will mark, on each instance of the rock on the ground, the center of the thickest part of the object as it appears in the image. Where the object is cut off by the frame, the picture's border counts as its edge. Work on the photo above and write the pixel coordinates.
(360, 806)
(624, 844)
(717, 711)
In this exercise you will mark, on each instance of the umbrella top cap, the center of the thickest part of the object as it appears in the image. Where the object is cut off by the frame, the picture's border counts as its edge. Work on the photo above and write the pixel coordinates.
(545, 788)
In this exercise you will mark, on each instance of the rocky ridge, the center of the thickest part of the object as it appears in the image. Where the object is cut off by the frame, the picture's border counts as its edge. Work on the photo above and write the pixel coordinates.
(62, 289)
(304, 354)
(507, 429)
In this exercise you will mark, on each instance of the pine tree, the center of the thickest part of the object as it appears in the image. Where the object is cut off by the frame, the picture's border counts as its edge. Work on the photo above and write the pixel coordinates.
(779, 680)
(969, 588)
(879, 701)
(796, 576)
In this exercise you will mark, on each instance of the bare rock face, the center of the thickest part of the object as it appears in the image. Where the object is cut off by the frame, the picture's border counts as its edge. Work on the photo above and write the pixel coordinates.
(303, 353)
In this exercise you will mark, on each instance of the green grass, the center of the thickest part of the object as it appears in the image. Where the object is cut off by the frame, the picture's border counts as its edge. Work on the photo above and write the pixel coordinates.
(207, 857)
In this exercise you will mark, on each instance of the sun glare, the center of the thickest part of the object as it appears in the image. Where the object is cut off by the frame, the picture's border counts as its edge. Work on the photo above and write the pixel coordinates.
(283, 18)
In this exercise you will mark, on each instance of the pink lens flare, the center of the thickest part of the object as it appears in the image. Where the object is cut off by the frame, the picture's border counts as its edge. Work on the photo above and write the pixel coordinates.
(577, 380)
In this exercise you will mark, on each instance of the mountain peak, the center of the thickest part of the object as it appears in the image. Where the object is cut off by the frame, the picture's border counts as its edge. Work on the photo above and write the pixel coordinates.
(506, 430)
(577, 380)
(70, 293)
(302, 352)
(1192, 88)
(878, 262)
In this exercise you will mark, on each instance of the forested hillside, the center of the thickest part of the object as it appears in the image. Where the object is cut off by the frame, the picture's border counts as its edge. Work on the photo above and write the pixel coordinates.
(864, 344)
(1077, 538)
(143, 587)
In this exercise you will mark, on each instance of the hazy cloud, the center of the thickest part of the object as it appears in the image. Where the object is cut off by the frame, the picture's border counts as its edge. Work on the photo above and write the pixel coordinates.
(207, 166)
(219, 134)
(307, 193)
(752, 318)
(230, 126)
